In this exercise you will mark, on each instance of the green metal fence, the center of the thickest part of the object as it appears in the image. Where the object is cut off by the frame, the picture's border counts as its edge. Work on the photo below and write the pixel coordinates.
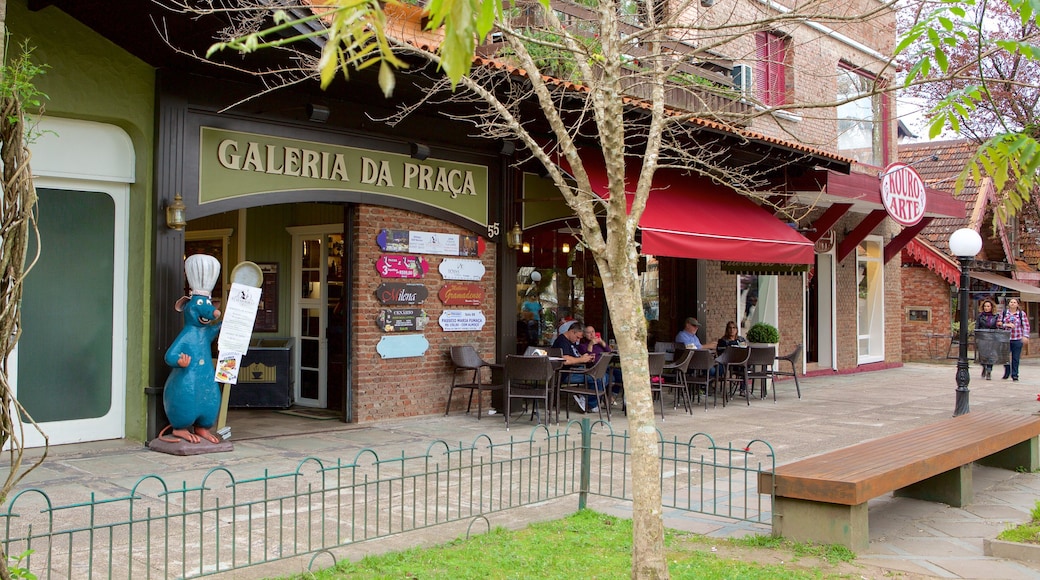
(225, 523)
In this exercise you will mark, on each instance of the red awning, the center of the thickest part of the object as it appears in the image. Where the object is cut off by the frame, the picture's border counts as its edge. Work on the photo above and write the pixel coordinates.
(691, 217)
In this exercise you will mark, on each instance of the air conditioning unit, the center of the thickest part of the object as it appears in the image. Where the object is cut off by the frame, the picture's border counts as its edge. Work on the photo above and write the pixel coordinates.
(742, 79)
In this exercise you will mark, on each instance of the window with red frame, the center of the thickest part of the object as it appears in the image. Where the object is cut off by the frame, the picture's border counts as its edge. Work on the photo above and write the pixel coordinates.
(772, 51)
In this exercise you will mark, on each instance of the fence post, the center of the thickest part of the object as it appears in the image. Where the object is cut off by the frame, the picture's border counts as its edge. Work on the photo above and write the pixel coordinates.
(586, 460)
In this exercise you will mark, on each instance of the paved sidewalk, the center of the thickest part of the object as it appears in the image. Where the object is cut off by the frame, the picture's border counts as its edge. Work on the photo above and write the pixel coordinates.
(834, 411)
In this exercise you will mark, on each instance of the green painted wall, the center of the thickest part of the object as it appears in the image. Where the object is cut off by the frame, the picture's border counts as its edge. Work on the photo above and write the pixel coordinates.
(90, 78)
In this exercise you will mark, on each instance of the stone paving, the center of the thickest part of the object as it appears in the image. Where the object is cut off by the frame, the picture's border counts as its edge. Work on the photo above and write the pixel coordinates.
(834, 411)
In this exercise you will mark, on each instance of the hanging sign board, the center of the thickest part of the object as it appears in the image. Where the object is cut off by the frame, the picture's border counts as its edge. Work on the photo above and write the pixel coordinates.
(391, 266)
(430, 243)
(392, 293)
(402, 319)
(458, 320)
(461, 295)
(402, 346)
(902, 193)
(453, 269)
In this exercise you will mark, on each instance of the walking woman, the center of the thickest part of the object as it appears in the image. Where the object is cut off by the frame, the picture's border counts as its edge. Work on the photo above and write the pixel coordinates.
(1017, 322)
(987, 320)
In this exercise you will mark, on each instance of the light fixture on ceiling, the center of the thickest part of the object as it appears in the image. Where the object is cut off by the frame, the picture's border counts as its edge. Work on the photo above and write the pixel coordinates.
(565, 248)
(526, 248)
(175, 214)
(318, 113)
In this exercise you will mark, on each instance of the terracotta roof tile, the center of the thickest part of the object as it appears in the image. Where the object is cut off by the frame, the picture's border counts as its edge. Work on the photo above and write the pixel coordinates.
(407, 27)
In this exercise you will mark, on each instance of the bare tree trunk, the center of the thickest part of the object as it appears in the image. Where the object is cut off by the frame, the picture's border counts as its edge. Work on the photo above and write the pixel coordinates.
(626, 315)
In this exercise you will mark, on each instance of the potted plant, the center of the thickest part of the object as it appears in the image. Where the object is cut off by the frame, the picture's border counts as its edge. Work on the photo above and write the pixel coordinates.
(763, 333)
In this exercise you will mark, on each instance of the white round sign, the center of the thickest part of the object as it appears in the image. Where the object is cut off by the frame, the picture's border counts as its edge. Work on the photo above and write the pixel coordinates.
(902, 193)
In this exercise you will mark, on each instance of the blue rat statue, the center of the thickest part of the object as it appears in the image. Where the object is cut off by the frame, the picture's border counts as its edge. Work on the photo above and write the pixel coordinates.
(191, 396)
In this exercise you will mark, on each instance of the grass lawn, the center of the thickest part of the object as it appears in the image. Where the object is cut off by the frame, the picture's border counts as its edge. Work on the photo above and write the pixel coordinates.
(590, 545)
(1027, 533)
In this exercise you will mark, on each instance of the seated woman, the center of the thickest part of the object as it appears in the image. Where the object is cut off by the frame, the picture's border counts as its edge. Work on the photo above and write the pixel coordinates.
(730, 338)
(592, 343)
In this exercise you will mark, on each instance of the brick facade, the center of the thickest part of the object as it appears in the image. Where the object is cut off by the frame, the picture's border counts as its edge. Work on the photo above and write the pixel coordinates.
(408, 387)
(925, 290)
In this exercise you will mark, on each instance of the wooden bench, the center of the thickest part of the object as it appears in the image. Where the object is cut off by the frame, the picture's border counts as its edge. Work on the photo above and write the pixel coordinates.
(824, 498)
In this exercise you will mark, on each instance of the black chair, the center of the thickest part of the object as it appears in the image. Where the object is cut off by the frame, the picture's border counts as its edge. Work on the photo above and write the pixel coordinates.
(528, 378)
(673, 378)
(794, 357)
(656, 362)
(668, 348)
(698, 376)
(760, 367)
(733, 372)
(596, 372)
(467, 361)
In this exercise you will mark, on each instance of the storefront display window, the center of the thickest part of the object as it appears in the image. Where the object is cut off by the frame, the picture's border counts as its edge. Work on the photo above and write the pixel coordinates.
(870, 316)
(546, 297)
(756, 300)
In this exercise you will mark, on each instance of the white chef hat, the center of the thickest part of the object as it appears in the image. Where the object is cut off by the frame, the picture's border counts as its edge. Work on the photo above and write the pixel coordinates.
(202, 271)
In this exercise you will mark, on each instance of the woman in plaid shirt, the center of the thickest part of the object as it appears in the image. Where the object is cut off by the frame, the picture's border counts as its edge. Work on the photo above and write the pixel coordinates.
(1017, 322)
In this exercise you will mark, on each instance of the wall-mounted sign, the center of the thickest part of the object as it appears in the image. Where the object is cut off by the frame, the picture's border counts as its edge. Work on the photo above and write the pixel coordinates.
(391, 266)
(397, 293)
(455, 320)
(402, 319)
(461, 295)
(402, 345)
(430, 243)
(902, 193)
(453, 269)
(236, 164)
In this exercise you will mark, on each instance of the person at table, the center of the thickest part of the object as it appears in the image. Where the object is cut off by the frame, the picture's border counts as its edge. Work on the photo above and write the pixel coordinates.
(1017, 322)
(987, 319)
(688, 335)
(567, 341)
(592, 343)
(729, 338)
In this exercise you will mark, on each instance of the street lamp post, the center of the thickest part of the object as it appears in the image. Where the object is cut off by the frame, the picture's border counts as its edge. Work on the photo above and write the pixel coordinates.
(965, 243)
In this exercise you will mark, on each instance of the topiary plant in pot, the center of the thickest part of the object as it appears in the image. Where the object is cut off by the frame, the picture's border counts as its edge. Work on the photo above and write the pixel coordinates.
(763, 333)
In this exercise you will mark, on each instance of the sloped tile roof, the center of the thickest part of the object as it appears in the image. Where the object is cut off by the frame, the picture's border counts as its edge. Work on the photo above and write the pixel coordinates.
(941, 173)
(408, 28)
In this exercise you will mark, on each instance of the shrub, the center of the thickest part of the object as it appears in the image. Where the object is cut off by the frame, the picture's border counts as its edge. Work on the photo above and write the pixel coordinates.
(763, 332)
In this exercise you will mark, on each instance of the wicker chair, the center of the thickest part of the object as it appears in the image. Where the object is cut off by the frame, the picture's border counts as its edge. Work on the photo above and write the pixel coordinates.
(598, 373)
(699, 378)
(529, 378)
(733, 372)
(760, 367)
(673, 378)
(467, 361)
(794, 357)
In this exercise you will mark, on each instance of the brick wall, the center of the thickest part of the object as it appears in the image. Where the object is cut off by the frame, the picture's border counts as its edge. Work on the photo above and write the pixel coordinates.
(923, 289)
(406, 387)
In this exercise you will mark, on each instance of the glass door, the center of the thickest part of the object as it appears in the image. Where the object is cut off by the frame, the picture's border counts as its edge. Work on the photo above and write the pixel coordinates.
(317, 289)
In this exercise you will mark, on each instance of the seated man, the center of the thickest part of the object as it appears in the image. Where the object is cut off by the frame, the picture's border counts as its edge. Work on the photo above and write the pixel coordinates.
(567, 341)
(688, 335)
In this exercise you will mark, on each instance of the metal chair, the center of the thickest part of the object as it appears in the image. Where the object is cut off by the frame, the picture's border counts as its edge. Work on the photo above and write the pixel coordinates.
(529, 378)
(760, 367)
(794, 357)
(733, 372)
(673, 378)
(698, 375)
(467, 360)
(585, 388)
